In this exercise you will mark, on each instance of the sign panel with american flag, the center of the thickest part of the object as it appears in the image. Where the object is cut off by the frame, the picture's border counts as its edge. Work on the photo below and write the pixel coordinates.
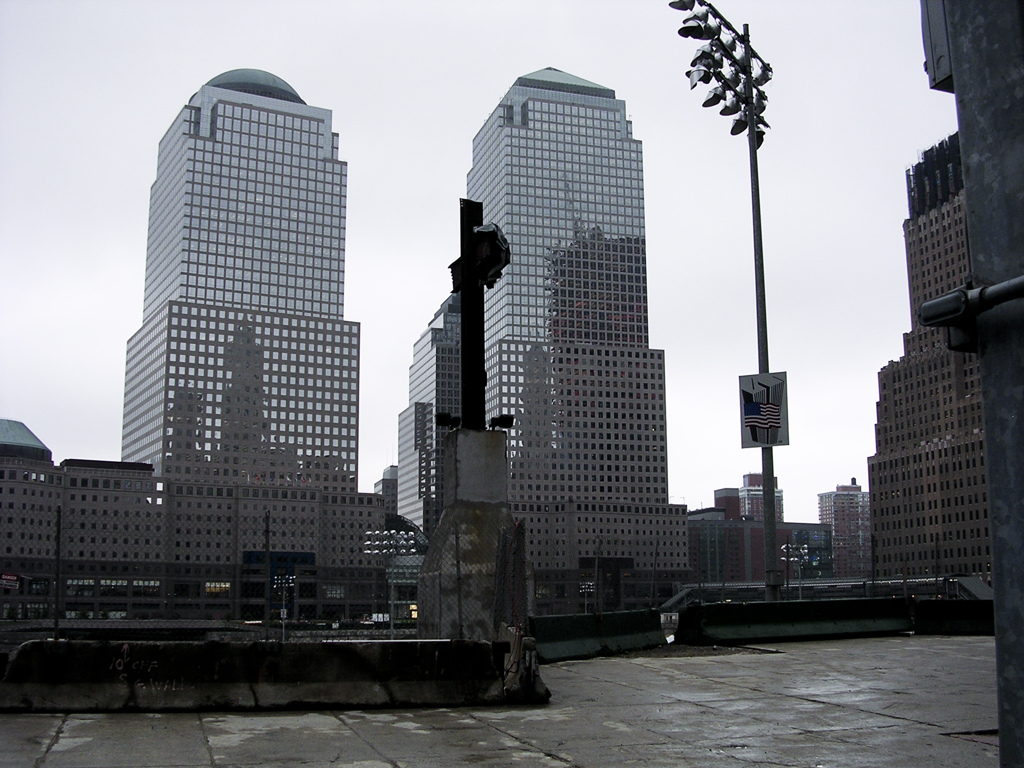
(764, 410)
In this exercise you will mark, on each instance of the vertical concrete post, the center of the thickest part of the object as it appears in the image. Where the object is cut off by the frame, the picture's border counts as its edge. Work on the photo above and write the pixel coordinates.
(987, 52)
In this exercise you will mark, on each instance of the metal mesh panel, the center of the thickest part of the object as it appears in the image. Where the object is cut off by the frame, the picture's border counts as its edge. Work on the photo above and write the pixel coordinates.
(474, 581)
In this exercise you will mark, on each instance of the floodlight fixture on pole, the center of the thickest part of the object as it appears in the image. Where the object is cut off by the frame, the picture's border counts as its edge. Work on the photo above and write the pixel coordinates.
(737, 72)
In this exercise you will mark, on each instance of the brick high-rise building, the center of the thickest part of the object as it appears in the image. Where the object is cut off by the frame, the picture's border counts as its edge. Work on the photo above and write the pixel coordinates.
(929, 499)
(847, 511)
(747, 502)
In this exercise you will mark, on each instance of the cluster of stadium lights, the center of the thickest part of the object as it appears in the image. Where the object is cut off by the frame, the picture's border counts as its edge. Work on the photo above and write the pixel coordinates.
(390, 543)
(729, 61)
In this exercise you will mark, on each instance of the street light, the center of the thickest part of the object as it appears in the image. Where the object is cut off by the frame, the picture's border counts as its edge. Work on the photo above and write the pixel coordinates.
(796, 553)
(391, 544)
(730, 62)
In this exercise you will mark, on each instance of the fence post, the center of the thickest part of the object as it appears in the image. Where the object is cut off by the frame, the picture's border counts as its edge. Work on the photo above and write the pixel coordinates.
(56, 578)
(458, 578)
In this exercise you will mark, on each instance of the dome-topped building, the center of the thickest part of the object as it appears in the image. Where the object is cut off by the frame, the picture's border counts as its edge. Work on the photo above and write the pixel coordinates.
(18, 441)
(258, 83)
(247, 244)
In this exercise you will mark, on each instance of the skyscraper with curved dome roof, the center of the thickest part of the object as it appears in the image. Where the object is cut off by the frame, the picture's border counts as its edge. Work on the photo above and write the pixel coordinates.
(244, 369)
(567, 346)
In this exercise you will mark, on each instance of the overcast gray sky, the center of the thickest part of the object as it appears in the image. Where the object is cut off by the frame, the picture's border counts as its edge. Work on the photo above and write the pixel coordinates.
(88, 88)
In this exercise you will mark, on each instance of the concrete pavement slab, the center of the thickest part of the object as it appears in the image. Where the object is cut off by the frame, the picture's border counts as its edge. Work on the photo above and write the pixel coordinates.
(129, 741)
(284, 739)
(422, 738)
(895, 702)
(25, 737)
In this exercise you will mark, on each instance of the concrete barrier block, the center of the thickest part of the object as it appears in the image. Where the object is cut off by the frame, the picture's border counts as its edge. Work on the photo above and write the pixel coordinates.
(99, 676)
(585, 635)
(732, 623)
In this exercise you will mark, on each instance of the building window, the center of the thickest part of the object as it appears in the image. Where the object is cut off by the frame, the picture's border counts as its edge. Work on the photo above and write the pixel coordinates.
(218, 588)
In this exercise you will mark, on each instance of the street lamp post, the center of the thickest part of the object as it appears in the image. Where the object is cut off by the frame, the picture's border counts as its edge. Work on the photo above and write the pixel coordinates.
(738, 72)
(796, 554)
(390, 544)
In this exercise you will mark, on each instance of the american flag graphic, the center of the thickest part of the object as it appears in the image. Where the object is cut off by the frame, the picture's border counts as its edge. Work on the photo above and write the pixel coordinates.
(763, 410)
(762, 416)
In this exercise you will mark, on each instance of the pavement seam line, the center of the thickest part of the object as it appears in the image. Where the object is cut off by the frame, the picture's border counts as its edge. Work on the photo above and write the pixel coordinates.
(811, 700)
(751, 689)
(769, 692)
(525, 743)
(206, 738)
(340, 717)
(53, 740)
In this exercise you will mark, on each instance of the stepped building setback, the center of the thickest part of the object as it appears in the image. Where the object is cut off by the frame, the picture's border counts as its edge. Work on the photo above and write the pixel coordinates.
(929, 495)
(434, 387)
(241, 408)
(567, 345)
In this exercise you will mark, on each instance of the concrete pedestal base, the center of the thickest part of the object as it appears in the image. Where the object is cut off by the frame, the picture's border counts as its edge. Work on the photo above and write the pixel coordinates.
(475, 581)
(470, 568)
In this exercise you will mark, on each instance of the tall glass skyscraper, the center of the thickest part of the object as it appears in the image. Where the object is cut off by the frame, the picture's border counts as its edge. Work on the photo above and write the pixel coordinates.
(241, 386)
(557, 167)
(244, 367)
(434, 387)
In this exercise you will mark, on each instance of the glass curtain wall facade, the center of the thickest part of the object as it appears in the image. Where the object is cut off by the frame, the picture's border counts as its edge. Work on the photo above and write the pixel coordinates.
(566, 337)
(244, 365)
(434, 387)
(242, 385)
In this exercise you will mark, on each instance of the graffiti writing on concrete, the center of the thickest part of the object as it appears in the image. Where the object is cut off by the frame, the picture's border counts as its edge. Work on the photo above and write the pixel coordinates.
(142, 672)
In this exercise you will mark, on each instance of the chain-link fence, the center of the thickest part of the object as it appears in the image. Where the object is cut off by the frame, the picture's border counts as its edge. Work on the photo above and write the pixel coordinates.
(475, 581)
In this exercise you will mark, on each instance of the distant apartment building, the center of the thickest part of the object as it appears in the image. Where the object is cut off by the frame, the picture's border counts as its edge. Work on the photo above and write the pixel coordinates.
(726, 548)
(928, 485)
(747, 502)
(847, 512)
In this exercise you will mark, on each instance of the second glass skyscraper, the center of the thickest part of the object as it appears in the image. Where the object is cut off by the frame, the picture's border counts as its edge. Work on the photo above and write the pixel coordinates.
(557, 167)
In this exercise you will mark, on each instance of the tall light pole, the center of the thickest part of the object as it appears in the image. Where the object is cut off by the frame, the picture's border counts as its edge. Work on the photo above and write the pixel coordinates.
(730, 62)
(390, 544)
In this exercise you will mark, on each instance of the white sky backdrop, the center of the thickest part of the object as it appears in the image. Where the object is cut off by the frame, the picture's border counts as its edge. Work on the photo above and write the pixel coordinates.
(88, 88)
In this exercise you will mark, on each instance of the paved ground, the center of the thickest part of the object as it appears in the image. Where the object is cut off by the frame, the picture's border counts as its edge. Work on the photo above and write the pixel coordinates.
(901, 701)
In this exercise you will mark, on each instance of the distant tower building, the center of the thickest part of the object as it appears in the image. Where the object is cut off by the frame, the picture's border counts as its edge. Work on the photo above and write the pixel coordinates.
(566, 335)
(847, 511)
(434, 387)
(747, 503)
(929, 498)
(387, 489)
